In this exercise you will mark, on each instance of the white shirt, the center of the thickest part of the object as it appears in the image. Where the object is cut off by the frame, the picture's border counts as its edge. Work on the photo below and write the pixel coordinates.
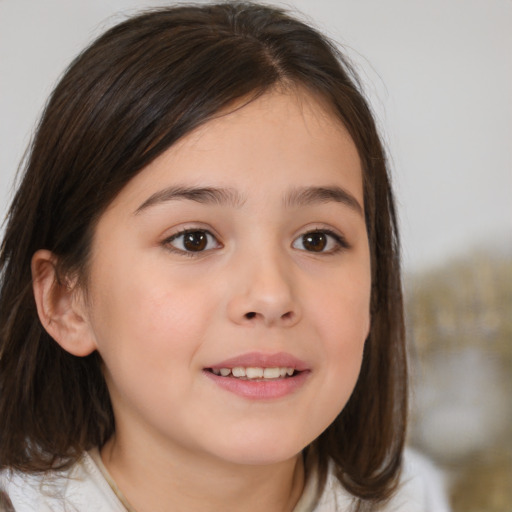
(87, 486)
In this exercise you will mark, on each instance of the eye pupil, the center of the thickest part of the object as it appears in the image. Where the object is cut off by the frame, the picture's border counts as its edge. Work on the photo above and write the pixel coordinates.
(315, 242)
(195, 241)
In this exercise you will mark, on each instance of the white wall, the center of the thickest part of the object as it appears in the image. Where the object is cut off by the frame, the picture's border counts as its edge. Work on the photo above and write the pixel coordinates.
(439, 75)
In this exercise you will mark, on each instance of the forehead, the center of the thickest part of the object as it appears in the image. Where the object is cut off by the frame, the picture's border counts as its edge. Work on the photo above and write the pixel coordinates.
(281, 139)
(281, 117)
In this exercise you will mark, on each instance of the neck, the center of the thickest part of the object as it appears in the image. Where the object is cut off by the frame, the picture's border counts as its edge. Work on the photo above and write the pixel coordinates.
(157, 480)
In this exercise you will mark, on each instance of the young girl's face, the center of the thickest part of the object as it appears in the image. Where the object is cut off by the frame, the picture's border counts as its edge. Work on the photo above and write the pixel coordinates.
(242, 250)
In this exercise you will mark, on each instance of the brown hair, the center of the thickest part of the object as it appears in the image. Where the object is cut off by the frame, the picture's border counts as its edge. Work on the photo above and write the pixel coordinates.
(134, 92)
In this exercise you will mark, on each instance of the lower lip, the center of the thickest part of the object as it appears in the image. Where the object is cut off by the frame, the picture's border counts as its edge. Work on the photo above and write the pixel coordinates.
(260, 389)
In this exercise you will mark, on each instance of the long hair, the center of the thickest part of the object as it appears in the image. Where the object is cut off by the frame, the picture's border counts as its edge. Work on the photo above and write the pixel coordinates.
(127, 98)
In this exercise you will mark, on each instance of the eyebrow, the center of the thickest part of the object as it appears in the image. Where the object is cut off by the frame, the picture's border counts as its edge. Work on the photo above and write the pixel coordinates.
(305, 196)
(296, 198)
(203, 195)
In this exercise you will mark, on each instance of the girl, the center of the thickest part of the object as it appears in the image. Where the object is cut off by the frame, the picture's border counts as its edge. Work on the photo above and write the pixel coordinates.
(200, 299)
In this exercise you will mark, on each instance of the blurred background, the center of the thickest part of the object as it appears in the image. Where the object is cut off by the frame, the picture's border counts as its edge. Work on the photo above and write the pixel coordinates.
(439, 77)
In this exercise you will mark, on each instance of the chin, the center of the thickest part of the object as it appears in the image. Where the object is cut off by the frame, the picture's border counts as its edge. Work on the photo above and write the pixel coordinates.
(261, 458)
(261, 450)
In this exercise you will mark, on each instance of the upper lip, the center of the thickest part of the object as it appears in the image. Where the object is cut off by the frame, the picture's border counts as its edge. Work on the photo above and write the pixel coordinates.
(261, 360)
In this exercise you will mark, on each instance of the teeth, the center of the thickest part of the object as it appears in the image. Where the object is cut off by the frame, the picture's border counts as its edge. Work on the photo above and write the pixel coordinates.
(238, 371)
(254, 372)
(271, 373)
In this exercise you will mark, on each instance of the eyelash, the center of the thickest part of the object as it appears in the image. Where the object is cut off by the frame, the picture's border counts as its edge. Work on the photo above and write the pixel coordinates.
(191, 254)
(339, 240)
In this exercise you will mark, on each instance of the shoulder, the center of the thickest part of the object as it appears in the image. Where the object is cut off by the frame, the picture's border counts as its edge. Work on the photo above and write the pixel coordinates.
(79, 488)
(421, 485)
(421, 489)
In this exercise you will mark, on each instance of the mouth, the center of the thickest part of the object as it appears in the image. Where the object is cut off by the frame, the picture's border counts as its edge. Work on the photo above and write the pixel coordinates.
(255, 373)
(259, 376)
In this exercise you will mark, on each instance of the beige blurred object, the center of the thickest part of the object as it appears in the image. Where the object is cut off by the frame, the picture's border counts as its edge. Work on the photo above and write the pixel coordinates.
(459, 321)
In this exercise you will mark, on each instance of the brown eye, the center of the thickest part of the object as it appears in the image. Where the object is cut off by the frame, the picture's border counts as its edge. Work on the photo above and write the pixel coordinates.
(321, 241)
(315, 242)
(193, 241)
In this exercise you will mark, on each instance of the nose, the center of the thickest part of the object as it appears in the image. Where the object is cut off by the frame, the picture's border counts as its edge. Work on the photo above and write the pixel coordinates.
(264, 292)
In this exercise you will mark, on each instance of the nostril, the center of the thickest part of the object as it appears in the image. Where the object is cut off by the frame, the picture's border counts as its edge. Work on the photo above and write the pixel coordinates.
(250, 315)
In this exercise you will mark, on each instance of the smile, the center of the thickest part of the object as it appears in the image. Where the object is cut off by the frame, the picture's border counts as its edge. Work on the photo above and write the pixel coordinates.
(260, 376)
(251, 372)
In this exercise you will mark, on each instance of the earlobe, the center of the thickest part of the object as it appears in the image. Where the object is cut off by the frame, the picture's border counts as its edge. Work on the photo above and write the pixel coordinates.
(60, 307)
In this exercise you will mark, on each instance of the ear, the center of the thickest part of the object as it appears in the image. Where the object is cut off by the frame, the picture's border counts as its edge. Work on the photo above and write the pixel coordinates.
(61, 307)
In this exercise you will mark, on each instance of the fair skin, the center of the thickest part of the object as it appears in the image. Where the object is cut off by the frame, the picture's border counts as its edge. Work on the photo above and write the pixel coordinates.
(273, 271)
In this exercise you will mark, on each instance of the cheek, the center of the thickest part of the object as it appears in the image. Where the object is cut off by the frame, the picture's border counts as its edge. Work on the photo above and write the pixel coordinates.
(147, 335)
(141, 320)
(343, 322)
(345, 330)
(344, 309)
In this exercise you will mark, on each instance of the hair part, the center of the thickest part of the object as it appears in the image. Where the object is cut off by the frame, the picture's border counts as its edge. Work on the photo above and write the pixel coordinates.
(132, 94)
